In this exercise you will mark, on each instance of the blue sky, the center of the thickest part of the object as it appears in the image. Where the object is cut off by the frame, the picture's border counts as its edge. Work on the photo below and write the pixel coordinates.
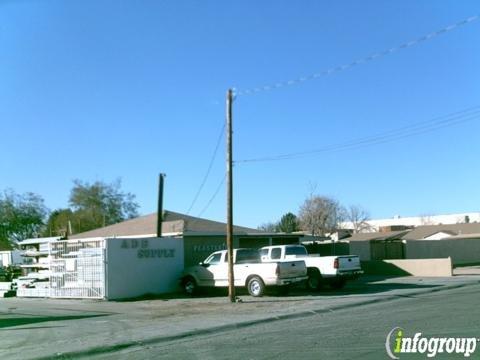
(96, 90)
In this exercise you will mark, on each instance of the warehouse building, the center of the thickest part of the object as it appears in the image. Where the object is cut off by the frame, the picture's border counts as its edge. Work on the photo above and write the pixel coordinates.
(127, 259)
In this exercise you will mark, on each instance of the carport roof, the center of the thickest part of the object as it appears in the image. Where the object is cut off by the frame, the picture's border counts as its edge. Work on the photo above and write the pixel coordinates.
(173, 223)
(42, 240)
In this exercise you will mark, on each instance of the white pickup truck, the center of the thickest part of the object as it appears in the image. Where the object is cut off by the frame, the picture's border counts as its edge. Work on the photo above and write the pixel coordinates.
(333, 270)
(248, 269)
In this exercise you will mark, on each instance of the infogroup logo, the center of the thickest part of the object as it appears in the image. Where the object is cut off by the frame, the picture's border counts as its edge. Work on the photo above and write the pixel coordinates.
(397, 343)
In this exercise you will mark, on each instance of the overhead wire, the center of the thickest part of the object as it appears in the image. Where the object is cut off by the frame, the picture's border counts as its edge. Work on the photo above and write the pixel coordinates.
(213, 196)
(359, 61)
(209, 169)
(436, 123)
(384, 137)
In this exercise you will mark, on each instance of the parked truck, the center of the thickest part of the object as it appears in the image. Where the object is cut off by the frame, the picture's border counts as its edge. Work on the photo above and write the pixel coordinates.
(332, 270)
(249, 272)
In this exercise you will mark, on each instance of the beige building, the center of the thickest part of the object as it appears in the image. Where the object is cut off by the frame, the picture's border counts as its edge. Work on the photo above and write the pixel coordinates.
(461, 242)
(200, 236)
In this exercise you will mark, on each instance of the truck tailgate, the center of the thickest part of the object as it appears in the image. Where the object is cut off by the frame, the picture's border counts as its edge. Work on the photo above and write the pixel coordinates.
(290, 269)
(348, 263)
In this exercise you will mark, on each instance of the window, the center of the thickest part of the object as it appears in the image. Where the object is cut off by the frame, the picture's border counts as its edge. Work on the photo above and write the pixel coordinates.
(264, 252)
(295, 250)
(214, 259)
(276, 253)
(247, 256)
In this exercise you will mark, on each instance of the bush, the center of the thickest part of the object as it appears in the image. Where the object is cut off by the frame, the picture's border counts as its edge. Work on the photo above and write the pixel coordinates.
(9, 273)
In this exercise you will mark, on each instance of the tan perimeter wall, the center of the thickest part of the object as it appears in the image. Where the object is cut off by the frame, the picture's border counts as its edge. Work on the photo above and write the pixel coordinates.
(462, 251)
(414, 267)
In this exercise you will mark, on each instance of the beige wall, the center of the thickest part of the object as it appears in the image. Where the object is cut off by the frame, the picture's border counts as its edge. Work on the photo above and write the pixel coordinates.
(407, 267)
(424, 267)
(462, 251)
(143, 266)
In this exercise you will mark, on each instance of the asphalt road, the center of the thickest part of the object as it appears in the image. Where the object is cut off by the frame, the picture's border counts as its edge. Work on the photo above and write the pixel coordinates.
(352, 333)
(352, 322)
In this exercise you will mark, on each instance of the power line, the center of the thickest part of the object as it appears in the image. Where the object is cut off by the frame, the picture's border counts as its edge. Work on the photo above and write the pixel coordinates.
(213, 196)
(210, 165)
(391, 135)
(360, 61)
(388, 136)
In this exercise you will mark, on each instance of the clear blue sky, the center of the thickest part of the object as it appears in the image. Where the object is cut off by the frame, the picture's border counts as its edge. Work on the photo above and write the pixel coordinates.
(97, 90)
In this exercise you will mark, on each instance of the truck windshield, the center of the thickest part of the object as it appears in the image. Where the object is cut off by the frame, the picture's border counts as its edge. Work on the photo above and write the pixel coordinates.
(213, 259)
(247, 256)
(295, 250)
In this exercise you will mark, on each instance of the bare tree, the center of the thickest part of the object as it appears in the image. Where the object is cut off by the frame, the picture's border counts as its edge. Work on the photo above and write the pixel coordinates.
(269, 227)
(320, 214)
(426, 219)
(358, 217)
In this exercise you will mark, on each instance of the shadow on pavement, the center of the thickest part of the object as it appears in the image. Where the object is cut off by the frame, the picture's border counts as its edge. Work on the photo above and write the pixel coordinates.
(368, 288)
(19, 321)
(371, 285)
(203, 293)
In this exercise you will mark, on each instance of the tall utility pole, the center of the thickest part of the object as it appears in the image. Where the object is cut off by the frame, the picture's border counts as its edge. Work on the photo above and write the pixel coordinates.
(231, 287)
(160, 205)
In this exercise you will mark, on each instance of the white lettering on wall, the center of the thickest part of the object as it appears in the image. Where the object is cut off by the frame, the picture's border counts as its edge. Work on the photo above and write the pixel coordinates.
(208, 248)
(155, 253)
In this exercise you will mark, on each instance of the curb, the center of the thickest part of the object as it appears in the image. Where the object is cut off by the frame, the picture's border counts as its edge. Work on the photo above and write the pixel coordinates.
(235, 326)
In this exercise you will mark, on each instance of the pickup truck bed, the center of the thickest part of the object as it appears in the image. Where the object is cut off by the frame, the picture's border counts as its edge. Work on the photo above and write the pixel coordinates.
(333, 270)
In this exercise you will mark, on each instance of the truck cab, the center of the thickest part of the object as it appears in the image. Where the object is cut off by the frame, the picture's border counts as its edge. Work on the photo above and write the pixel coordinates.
(249, 271)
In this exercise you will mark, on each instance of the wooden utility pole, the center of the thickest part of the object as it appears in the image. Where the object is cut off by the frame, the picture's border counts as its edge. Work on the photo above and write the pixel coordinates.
(160, 205)
(231, 287)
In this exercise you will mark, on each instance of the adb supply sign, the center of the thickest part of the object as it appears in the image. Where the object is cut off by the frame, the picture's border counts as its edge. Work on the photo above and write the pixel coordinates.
(398, 344)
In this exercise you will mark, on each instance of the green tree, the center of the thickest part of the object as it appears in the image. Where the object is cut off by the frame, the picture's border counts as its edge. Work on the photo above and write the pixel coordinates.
(22, 216)
(60, 223)
(288, 223)
(100, 204)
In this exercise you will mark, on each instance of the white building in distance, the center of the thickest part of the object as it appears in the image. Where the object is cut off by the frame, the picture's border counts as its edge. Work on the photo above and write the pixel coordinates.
(414, 221)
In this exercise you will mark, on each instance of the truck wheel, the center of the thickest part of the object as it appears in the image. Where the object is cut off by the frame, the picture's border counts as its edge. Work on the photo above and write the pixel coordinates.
(314, 281)
(255, 286)
(189, 286)
(338, 284)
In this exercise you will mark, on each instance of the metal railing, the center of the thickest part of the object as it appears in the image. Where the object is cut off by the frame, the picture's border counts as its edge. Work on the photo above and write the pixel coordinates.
(77, 269)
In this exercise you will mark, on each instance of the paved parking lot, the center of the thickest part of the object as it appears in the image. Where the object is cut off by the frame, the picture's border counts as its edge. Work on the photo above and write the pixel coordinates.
(35, 328)
(350, 333)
